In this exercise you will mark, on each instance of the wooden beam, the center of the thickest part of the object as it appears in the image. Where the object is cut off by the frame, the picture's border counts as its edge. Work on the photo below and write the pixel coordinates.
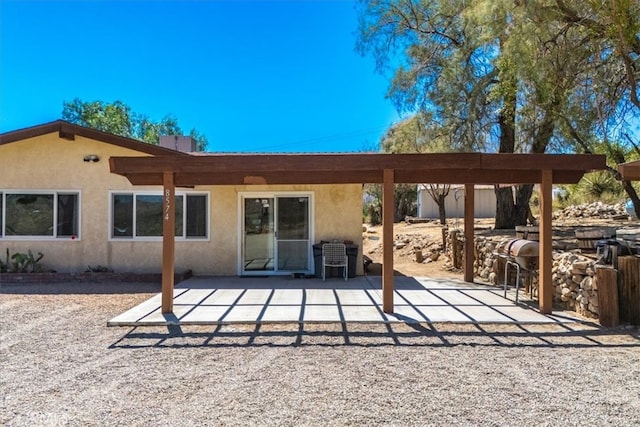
(545, 294)
(256, 165)
(252, 164)
(346, 176)
(584, 162)
(469, 239)
(630, 171)
(387, 241)
(168, 242)
(70, 136)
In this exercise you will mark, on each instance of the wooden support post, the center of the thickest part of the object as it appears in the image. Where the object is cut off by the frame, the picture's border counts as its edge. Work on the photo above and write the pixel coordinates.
(453, 236)
(168, 241)
(387, 240)
(545, 290)
(469, 240)
(629, 289)
(608, 307)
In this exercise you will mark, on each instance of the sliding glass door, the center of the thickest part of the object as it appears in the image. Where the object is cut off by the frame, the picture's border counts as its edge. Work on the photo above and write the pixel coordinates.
(276, 234)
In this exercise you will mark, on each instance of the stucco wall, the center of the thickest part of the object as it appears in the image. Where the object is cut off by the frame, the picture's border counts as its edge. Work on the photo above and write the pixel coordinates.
(50, 163)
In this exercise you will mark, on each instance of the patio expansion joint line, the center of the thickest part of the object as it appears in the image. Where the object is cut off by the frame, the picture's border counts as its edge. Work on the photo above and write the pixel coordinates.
(195, 305)
(414, 307)
(156, 308)
(232, 305)
(492, 307)
(454, 306)
(265, 306)
(382, 314)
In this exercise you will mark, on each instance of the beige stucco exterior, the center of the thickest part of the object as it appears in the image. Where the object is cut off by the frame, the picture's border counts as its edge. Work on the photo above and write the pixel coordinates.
(48, 163)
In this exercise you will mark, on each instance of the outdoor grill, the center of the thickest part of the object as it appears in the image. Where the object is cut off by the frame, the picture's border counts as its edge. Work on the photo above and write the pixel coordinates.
(522, 256)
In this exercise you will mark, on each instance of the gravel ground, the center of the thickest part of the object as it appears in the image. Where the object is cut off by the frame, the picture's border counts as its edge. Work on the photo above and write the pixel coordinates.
(61, 365)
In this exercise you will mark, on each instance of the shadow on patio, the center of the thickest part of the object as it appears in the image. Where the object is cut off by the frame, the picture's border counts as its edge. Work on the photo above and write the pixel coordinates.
(559, 335)
(258, 300)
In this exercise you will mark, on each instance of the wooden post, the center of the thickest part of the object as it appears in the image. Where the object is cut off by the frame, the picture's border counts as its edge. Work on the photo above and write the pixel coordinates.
(629, 290)
(387, 240)
(545, 290)
(608, 310)
(453, 236)
(469, 240)
(168, 241)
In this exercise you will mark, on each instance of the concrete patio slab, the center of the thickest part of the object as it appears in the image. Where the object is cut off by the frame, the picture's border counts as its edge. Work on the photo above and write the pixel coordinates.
(225, 300)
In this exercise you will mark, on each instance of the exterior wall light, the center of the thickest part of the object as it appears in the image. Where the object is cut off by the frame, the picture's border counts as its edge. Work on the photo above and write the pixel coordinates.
(92, 158)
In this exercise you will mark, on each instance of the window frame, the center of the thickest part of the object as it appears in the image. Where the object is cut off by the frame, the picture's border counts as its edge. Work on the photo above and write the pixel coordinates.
(55, 193)
(184, 237)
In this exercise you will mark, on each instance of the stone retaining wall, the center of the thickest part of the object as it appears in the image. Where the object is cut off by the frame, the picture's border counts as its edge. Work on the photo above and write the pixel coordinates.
(573, 275)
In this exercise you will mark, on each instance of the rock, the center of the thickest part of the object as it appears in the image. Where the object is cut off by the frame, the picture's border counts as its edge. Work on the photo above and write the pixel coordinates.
(578, 271)
(581, 265)
(493, 278)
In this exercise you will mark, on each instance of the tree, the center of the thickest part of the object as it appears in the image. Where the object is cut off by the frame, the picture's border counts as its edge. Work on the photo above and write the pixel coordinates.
(118, 119)
(511, 76)
(417, 134)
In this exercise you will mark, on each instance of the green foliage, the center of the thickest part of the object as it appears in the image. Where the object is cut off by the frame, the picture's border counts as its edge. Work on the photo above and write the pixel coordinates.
(599, 186)
(21, 262)
(98, 269)
(511, 76)
(117, 118)
(405, 202)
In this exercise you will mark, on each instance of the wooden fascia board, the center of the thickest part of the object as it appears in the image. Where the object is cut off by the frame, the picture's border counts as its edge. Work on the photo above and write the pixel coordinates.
(30, 132)
(355, 177)
(132, 144)
(68, 131)
(630, 171)
(335, 169)
(298, 162)
(583, 162)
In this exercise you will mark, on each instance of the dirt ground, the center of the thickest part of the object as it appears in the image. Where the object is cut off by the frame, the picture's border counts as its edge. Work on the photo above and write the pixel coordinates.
(61, 365)
(404, 261)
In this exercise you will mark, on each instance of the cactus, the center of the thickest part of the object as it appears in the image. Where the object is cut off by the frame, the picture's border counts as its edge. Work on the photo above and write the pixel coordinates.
(4, 265)
(21, 262)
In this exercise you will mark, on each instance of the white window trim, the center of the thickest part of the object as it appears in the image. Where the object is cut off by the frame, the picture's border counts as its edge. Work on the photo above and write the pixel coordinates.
(274, 194)
(55, 193)
(182, 238)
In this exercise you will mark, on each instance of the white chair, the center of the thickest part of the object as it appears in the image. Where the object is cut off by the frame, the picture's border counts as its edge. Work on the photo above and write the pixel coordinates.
(334, 255)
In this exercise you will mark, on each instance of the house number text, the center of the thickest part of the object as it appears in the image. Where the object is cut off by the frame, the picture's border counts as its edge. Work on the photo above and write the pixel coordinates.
(167, 204)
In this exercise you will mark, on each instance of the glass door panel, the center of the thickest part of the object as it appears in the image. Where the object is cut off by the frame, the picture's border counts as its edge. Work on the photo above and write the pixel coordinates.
(293, 233)
(259, 234)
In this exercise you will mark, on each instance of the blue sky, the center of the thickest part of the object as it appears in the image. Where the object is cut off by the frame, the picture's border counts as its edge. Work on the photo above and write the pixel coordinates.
(252, 76)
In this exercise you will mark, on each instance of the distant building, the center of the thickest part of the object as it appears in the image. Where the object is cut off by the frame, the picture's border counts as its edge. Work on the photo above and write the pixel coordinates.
(484, 202)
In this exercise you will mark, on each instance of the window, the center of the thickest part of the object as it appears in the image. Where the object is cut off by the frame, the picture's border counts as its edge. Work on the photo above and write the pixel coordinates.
(39, 214)
(139, 215)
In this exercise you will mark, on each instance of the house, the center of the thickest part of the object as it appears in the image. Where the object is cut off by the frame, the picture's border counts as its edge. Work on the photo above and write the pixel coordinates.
(59, 197)
(231, 214)
(484, 202)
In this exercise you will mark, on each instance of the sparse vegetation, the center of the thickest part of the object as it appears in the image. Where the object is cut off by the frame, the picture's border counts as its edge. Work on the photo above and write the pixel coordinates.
(21, 262)
(98, 269)
(405, 202)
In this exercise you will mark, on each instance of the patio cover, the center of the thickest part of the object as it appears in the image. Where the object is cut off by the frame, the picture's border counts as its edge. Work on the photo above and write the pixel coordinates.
(630, 171)
(388, 169)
